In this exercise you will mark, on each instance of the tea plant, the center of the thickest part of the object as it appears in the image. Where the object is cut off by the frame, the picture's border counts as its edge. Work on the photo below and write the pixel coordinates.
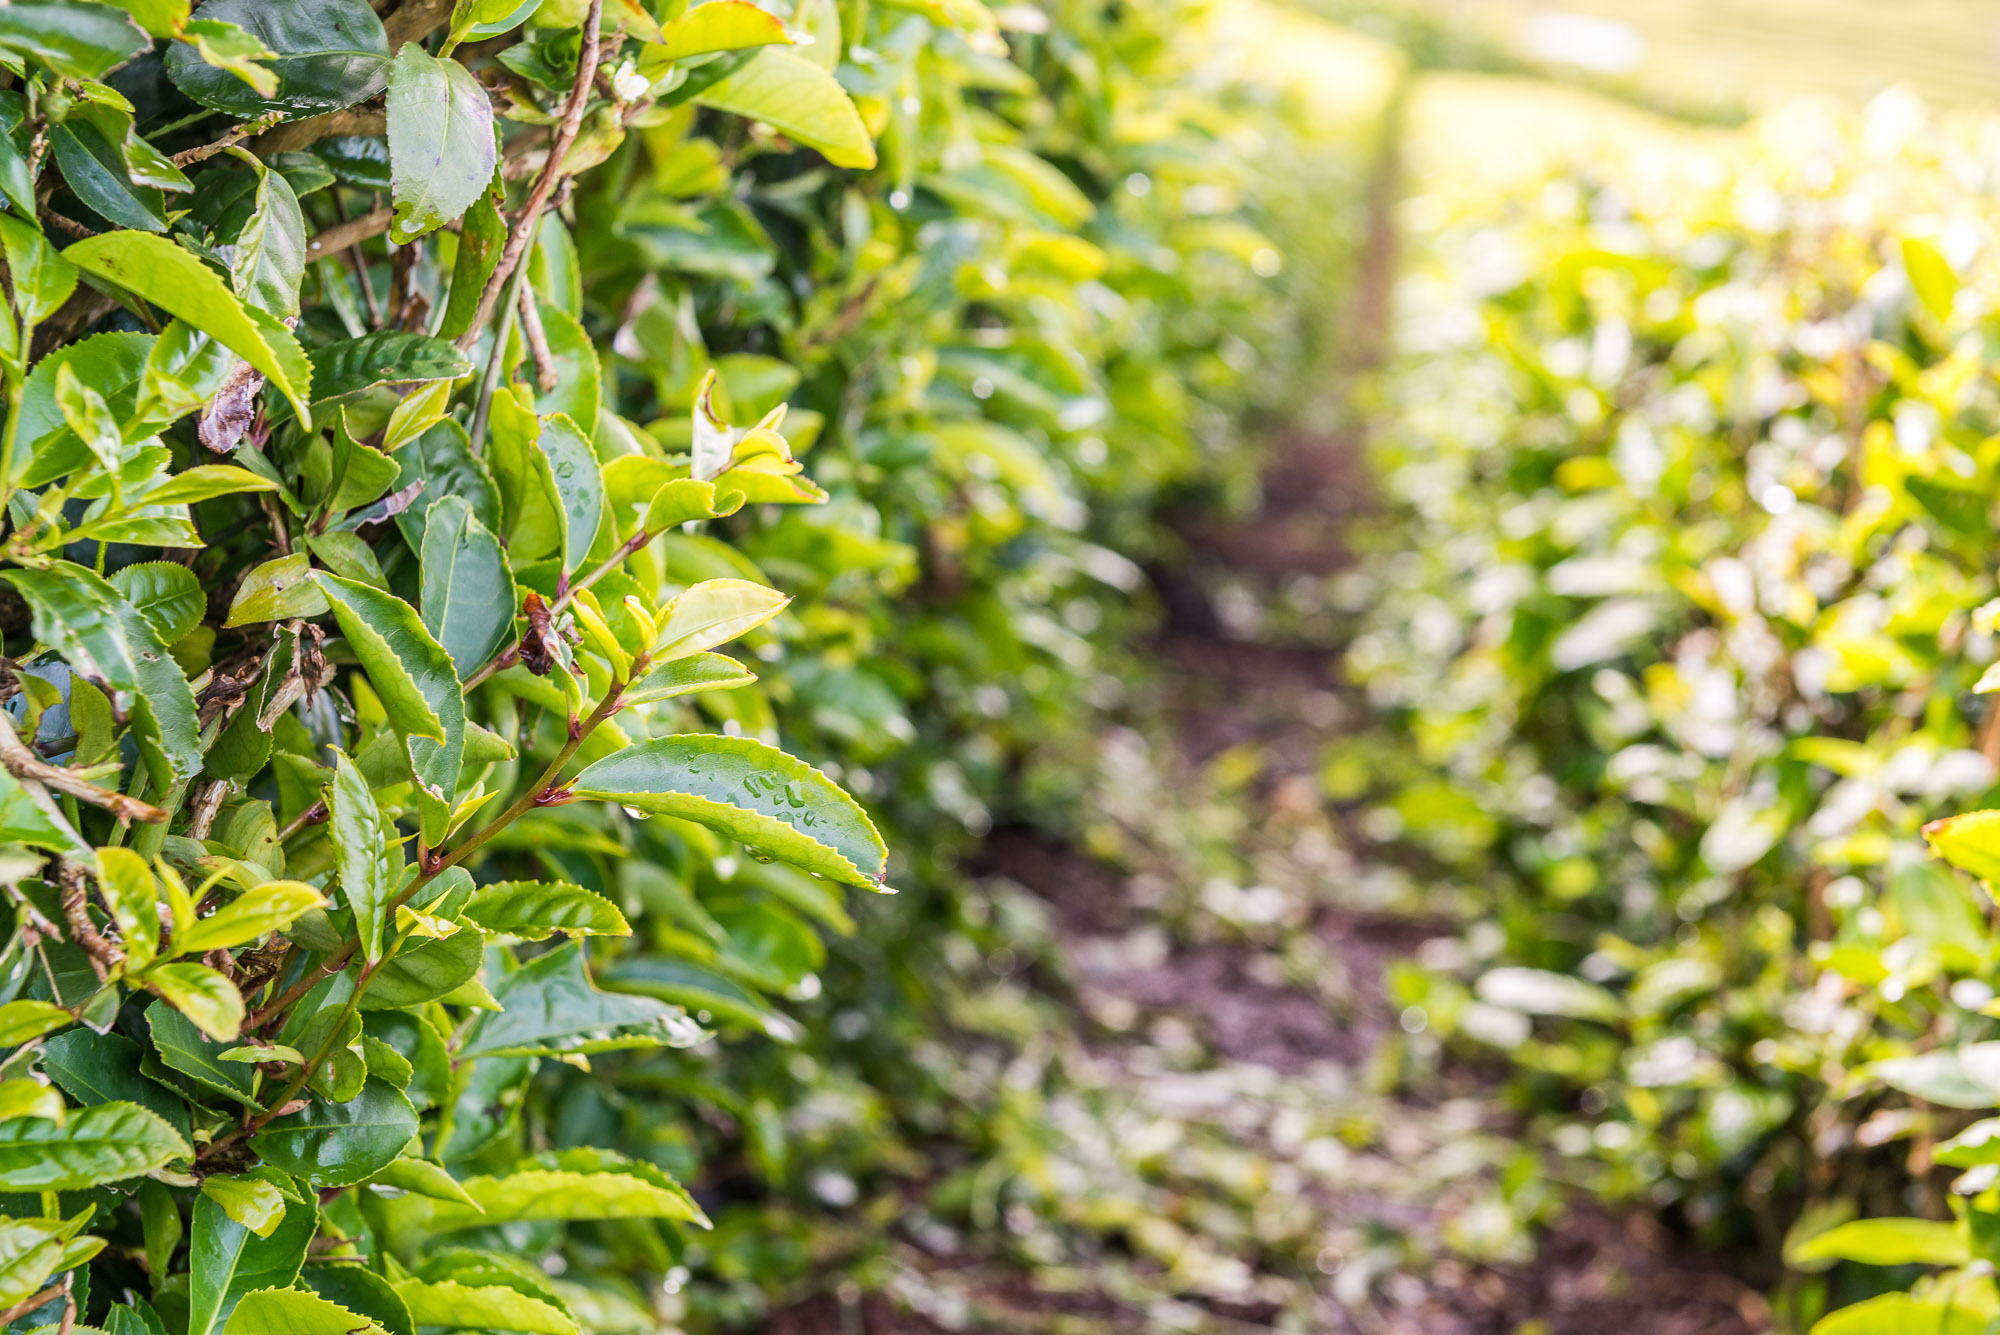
(1689, 650)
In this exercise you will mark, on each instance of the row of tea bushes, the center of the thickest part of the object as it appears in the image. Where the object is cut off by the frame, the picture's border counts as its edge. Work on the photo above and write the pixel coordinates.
(1675, 631)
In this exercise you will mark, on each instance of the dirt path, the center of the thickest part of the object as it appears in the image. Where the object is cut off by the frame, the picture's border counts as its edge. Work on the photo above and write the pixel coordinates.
(1281, 981)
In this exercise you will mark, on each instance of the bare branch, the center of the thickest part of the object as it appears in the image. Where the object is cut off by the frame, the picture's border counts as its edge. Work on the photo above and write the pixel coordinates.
(188, 157)
(545, 185)
(23, 763)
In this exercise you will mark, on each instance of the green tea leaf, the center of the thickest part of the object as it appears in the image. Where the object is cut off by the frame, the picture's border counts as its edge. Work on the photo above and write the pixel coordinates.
(368, 852)
(442, 149)
(362, 1292)
(442, 459)
(156, 269)
(349, 369)
(290, 1312)
(226, 1261)
(97, 1068)
(1970, 842)
(424, 1178)
(1901, 1314)
(1890, 1242)
(418, 685)
(254, 913)
(107, 1143)
(469, 600)
(685, 676)
(110, 644)
(424, 973)
(75, 38)
(453, 1305)
(570, 1185)
(42, 279)
(30, 1251)
(536, 910)
(721, 25)
(31, 1098)
(755, 794)
(269, 261)
(278, 590)
(714, 612)
(249, 1201)
(23, 1020)
(579, 485)
(183, 1048)
(167, 595)
(201, 994)
(549, 1007)
(339, 1144)
(797, 98)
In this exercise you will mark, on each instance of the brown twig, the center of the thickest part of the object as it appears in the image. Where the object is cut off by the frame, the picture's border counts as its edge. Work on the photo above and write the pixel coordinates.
(207, 802)
(30, 1303)
(20, 761)
(70, 225)
(359, 264)
(337, 238)
(546, 374)
(188, 157)
(545, 185)
(301, 134)
(76, 910)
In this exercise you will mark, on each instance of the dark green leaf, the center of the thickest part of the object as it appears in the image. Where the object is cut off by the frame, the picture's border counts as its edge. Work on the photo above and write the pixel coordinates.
(184, 1048)
(418, 686)
(442, 459)
(227, 1261)
(368, 853)
(104, 1068)
(330, 54)
(76, 38)
(350, 368)
(425, 973)
(469, 602)
(95, 170)
(360, 1290)
(339, 1144)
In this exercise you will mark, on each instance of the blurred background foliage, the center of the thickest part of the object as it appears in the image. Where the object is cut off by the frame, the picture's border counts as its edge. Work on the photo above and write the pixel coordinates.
(1660, 645)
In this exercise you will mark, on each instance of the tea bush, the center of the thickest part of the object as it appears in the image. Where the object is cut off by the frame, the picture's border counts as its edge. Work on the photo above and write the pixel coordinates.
(404, 409)
(1679, 637)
